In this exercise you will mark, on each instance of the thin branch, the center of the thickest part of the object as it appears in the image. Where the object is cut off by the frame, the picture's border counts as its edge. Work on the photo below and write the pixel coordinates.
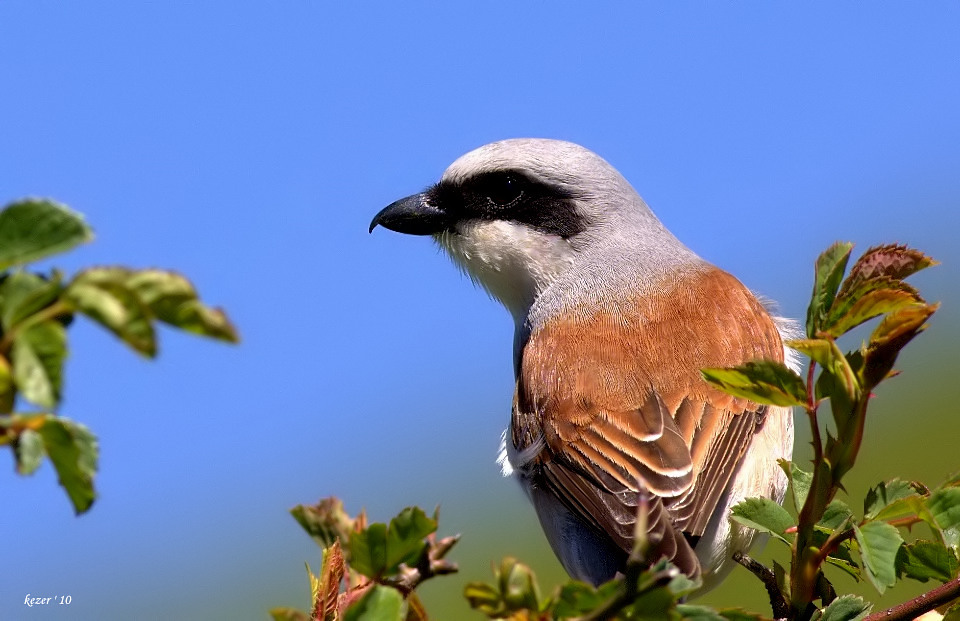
(779, 605)
(923, 603)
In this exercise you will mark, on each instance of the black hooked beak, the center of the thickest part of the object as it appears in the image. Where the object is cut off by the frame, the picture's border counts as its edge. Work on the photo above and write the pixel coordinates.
(412, 215)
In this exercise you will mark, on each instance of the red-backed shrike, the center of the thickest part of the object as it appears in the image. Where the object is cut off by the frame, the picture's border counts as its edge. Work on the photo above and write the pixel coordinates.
(614, 320)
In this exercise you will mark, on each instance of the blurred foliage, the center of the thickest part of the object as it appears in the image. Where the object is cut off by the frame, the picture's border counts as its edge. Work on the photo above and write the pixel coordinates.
(37, 308)
(818, 529)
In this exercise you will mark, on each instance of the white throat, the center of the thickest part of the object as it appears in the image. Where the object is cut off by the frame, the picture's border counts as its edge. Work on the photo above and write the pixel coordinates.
(512, 261)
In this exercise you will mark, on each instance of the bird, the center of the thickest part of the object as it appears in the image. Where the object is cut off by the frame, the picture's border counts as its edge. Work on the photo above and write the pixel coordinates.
(614, 320)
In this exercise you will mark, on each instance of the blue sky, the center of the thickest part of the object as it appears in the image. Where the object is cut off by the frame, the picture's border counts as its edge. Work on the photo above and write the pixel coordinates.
(248, 145)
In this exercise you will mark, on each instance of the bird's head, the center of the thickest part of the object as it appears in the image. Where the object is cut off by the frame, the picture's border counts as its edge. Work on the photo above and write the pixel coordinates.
(519, 214)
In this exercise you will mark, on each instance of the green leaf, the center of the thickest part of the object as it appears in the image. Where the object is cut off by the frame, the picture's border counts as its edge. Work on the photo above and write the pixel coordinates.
(827, 276)
(380, 603)
(765, 516)
(8, 389)
(116, 307)
(836, 515)
(22, 294)
(368, 551)
(800, 482)
(867, 300)
(518, 585)
(288, 614)
(29, 451)
(846, 608)
(576, 599)
(829, 356)
(32, 229)
(173, 300)
(885, 494)
(405, 536)
(924, 559)
(893, 261)
(485, 598)
(944, 507)
(38, 353)
(74, 452)
(879, 543)
(762, 381)
(690, 612)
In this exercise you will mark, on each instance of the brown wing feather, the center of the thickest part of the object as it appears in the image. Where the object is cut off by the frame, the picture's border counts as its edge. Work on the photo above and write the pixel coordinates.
(618, 400)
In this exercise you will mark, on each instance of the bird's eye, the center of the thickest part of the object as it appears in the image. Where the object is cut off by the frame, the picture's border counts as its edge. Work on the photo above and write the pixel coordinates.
(503, 190)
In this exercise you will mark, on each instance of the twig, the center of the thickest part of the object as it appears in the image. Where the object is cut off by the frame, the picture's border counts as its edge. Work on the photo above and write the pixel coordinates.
(779, 606)
(922, 603)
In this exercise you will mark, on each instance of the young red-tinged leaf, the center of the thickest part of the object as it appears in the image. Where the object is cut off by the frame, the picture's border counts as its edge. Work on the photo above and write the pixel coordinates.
(368, 551)
(38, 354)
(326, 522)
(944, 505)
(380, 603)
(827, 276)
(405, 537)
(117, 308)
(924, 559)
(762, 381)
(33, 229)
(29, 451)
(326, 598)
(846, 608)
(892, 335)
(829, 356)
(765, 516)
(894, 261)
(870, 299)
(74, 451)
(800, 482)
(879, 543)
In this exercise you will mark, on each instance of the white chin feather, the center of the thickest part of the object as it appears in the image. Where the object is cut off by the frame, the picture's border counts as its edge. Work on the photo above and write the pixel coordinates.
(512, 261)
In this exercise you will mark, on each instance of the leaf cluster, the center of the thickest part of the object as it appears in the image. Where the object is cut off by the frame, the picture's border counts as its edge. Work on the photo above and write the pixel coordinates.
(36, 309)
(370, 571)
(825, 531)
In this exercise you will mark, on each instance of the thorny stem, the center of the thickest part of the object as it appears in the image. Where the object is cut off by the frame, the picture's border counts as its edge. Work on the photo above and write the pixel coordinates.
(922, 603)
(778, 605)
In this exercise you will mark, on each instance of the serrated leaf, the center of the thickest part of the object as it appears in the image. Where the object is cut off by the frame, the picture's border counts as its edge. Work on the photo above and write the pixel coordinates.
(74, 451)
(867, 300)
(894, 261)
(29, 451)
(765, 516)
(405, 537)
(924, 559)
(846, 608)
(380, 603)
(117, 308)
(835, 515)
(885, 494)
(879, 543)
(690, 612)
(33, 229)
(944, 505)
(38, 353)
(763, 381)
(22, 294)
(368, 551)
(828, 274)
(826, 353)
(800, 482)
(173, 300)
